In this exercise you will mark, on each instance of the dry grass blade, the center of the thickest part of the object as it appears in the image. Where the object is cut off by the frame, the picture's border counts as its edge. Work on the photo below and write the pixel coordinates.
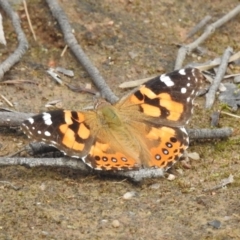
(6, 100)
(29, 20)
(17, 81)
(2, 36)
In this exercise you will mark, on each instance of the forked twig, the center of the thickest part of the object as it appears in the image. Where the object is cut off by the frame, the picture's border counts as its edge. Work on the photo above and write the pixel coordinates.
(185, 49)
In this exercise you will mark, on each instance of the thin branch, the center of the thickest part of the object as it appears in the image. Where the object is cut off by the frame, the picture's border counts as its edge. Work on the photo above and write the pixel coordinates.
(53, 162)
(79, 165)
(72, 43)
(230, 114)
(13, 119)
(185, 49)
(200, 25)
(222, 184)
(214, 63)
(210, 96)
(22, 41)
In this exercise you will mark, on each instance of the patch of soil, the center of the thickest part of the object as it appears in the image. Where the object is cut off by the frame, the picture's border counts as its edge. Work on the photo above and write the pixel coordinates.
(126, 40)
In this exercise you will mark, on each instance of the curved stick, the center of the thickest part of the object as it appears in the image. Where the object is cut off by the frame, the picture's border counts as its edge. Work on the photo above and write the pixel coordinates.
(22, 41)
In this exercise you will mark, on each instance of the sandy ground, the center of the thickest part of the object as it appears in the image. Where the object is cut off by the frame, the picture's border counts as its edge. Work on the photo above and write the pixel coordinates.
(126, 40)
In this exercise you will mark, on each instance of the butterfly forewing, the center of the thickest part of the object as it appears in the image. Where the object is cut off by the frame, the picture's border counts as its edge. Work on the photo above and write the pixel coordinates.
(168, 99)
(65, 130)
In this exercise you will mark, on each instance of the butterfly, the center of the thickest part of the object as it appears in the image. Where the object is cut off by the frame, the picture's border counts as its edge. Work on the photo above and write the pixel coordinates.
(145, 129)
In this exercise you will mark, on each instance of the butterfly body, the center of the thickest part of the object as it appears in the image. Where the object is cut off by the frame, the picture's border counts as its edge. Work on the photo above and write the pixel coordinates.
(144, 129)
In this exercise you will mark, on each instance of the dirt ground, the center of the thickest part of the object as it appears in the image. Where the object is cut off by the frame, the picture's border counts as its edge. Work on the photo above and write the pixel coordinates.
(126, 40)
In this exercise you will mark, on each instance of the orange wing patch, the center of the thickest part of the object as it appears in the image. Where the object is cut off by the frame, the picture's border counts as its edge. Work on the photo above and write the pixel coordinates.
(152, 107)
(74, 131)
(175, 108)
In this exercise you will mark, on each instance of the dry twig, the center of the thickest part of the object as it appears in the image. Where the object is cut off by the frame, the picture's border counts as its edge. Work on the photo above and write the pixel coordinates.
(222, 184)
(13, 119)
(210, 96)
(200, 25)
(195, 134)
(185, 49)
(79, 165)
(22, 45)
(6, 100)
(29, 20)
(72, 43)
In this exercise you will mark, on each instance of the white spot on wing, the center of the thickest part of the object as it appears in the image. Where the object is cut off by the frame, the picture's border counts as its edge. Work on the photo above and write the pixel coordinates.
(182, 71)
(39, 132)
(47, 133)
(188, 85)
(31, 120)
(167, 80)
(188, 99)
(183, 90)
(47, 118)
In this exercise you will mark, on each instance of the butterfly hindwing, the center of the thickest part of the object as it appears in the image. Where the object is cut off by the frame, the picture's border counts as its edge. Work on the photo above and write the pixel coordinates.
(166, 145)
(103, 157)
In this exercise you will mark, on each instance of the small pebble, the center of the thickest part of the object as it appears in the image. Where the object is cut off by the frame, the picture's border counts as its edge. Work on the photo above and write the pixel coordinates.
(222, 88)
(171, 177)
(215, 223)
(194, 156)
(155, 186)
(115, 223)
(133, 54)
(42, 186)
(236, 79)
(180, 171)
(65, 71)
(129, 195)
